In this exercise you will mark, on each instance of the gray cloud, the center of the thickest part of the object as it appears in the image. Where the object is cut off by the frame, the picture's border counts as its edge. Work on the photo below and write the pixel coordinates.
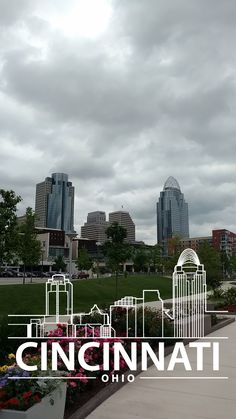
(152, 96)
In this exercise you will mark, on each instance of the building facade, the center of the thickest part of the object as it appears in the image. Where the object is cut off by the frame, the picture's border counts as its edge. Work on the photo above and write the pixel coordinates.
(95, 227)
(54, 243)
(194, 242)
(54, 203)
(172, 214)
(43, 189)
(224, 241)
(124, 219)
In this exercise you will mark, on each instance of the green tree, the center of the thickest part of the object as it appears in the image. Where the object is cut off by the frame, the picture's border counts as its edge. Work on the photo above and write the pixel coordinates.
(8, 225)
(84, 261)
(233, 263)
(174, 245)
(29, 248)
(226, 264)
(155, 257)
(115, 249)
(59, 264)
(211, 259)
(141, 259)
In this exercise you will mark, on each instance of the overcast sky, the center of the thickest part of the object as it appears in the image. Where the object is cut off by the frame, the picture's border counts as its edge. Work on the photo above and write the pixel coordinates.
(120, 95)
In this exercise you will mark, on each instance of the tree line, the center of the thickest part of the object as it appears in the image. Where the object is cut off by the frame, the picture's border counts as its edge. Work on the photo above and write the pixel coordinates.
(18, 242)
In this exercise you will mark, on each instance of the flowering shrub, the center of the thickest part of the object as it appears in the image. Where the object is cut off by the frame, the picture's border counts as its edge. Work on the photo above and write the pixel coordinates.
(93, 356)
(21, 394)
(153, 323)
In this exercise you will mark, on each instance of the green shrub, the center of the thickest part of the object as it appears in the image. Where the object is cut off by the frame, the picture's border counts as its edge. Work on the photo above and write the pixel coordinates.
(230, 296)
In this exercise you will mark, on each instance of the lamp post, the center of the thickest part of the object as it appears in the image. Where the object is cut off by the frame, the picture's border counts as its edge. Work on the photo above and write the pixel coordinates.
(71, 237)
(42, 253)
(98, 244)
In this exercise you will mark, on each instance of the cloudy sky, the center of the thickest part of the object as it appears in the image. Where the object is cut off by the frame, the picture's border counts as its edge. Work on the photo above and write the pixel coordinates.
(121, 94)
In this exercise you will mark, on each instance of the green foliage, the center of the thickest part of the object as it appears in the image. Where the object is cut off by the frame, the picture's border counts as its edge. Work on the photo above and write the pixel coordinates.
(170, 262)
(155, 257)
(212, 262)
(6, 331)
(141, 259)
(217, 293)
(84, 261)
(8, 225)
(229, 296)
(233, 263)
(59, 264)
(116, 250)
(153, 323)
(29, 248)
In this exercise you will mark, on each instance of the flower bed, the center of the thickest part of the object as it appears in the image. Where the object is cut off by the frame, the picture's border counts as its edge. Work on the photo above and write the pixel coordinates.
(21, 395)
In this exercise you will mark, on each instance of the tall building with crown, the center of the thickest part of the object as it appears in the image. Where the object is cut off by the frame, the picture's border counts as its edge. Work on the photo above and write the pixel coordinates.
(172, 214)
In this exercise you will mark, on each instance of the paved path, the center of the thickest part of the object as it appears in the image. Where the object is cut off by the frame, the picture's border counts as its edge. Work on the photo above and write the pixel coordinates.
(179, 399)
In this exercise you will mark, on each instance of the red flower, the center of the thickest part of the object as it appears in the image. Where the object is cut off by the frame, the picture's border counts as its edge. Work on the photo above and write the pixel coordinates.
(27, 394)
(37, 398)
(13, 401)
(2, 393)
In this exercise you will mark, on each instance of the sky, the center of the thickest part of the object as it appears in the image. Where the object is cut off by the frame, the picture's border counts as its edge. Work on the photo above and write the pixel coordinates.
(121, 95)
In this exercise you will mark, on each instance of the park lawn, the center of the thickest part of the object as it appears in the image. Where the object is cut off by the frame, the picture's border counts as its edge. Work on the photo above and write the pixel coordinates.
(30, 298)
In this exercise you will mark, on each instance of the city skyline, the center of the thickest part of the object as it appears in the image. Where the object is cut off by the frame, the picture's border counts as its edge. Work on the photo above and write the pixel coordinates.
(142, 94)
(170, 183)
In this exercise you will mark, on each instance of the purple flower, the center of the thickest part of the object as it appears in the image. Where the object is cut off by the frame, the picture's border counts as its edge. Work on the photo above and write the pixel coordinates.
(3, 381)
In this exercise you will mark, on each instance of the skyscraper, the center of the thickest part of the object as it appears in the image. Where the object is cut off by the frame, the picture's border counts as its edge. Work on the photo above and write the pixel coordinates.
(172, 213)
(54, 203)
(124, 219)
(95, 227)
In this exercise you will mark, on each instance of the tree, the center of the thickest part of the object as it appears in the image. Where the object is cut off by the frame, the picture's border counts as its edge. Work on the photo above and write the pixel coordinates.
(225, 263)
(211, 259)
(174, 250)
(115, 249)
(174, 245)
(84, 261)
(141, 259)
(29, 248)
(155, 257)
(8, 225)
(59, 264)
(233, 263)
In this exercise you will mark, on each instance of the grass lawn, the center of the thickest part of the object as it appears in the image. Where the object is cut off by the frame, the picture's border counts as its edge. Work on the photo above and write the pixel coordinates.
(30, 298)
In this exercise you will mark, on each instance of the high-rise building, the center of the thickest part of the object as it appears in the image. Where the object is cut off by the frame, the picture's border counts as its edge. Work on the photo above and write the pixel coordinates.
(124, 219)
(43, 189)
(95, 227)
(54, 203)
(172, 214)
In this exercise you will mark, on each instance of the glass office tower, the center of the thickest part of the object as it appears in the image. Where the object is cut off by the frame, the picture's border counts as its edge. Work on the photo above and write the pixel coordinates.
(172, 214)
(54, 206)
